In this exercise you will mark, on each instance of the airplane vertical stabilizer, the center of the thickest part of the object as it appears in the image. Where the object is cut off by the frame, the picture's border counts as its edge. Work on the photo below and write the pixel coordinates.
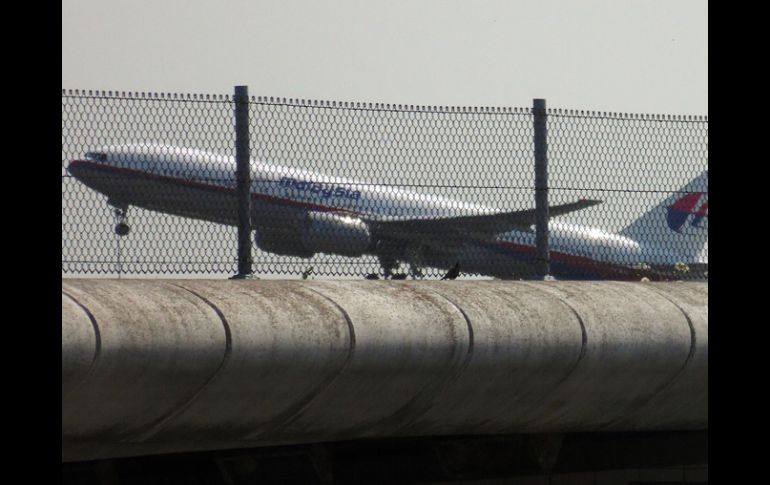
(679, 223)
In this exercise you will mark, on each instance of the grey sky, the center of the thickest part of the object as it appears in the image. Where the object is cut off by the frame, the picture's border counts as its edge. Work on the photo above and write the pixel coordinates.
(608, 55)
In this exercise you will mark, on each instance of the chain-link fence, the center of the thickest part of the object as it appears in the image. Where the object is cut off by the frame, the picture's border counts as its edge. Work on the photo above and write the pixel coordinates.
(149, 186)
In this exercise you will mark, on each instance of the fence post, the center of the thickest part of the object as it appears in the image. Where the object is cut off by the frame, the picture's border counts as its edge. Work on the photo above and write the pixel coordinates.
(543, 266)
(243, 177)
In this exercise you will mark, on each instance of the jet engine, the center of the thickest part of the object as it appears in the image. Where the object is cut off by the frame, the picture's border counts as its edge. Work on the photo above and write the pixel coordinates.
(281, 240)
(325, 232)
(317, 232)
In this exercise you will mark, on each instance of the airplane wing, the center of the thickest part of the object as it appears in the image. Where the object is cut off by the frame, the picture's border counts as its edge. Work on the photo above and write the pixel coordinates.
(452, 231)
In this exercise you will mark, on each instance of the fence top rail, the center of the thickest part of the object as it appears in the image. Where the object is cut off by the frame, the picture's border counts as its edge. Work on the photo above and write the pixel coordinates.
(369, 106)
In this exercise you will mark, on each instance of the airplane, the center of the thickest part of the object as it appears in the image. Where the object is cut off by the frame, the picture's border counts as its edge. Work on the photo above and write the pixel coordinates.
(300, 213)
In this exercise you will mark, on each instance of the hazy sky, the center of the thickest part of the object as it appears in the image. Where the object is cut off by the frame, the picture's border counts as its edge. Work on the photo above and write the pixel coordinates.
(608, 55)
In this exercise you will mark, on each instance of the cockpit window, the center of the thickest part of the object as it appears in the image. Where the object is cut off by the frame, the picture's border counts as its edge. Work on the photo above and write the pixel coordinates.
(96, 156)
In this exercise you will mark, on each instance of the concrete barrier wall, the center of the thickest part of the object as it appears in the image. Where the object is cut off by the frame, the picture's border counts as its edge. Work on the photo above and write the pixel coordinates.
(166, 366)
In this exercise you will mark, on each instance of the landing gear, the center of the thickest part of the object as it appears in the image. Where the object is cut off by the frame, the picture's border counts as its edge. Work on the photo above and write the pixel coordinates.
(122, 229)
(121, 214)
(415, 272)
(414, 257)
(389, 266)
(391, 254)
(388, 263)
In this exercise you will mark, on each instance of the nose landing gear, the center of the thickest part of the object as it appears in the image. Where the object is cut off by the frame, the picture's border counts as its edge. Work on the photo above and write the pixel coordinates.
(122, 228)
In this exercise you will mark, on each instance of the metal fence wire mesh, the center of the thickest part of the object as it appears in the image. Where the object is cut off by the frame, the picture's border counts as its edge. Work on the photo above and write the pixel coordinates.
(354, 189)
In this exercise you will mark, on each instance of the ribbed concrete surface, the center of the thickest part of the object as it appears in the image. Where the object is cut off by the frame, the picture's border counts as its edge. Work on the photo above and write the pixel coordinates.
(166, 366)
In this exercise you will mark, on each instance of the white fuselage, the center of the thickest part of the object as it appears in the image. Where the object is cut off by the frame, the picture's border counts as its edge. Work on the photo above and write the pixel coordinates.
(200, 185)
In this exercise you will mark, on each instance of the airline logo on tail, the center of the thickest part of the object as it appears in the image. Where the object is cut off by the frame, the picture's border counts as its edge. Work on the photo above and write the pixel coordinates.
(690, 205)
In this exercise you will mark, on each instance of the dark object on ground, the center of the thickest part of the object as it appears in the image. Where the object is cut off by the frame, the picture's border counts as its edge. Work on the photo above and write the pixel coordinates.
(398, 276)
(372, 276)
(452, 273)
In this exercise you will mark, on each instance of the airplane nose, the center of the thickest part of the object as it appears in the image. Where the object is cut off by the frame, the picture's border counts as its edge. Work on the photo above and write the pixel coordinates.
(77, 167)
(80, 166)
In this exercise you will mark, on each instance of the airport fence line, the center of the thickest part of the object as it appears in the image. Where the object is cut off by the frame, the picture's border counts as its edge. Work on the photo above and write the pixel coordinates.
(343, 189)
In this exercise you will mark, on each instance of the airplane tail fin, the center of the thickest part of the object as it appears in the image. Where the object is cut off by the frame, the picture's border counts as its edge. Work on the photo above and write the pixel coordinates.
(678, 225)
